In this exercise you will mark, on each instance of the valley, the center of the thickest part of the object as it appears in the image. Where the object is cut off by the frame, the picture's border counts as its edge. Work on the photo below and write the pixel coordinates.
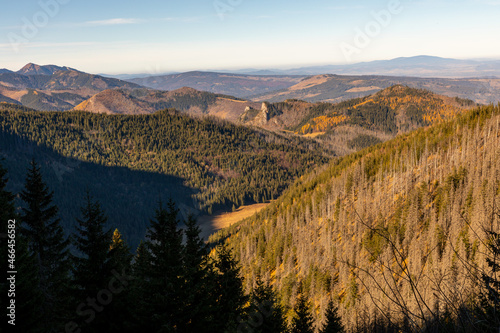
(206, 165)
(233, 166)
(375, 193)
(210, 224)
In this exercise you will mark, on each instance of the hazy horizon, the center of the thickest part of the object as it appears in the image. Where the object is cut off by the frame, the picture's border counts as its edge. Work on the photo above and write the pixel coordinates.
(158, 36)
(241, 69)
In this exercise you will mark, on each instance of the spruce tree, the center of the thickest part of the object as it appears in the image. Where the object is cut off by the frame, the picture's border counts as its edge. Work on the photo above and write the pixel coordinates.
(197, 273)
(228, 291)
(119, 252)
(27, 295)
(489, 309)
(142, 263)
(46, 241)
(165, 270)
(303, 321)
(121, 309)
(266, 314)
(91, 265)
(333, 322)
(139, 294)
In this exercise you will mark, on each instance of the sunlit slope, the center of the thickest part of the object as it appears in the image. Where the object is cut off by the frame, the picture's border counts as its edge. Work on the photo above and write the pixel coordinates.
(395, 226)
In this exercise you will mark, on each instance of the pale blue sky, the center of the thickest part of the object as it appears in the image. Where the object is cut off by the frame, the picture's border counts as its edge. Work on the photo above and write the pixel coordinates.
(151, 36)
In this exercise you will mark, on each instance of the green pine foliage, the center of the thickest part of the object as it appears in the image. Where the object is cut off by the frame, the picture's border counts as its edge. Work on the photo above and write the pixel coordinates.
(229, 295)
(119, 252)
(265, 314)
(229, 164)
(29, 306)
(47, 243)
(197, 286)
(205, 164)
(489, 300)
(178, 286)
(91, 267)
(164, 272)
(120, 311)
(405, 235)
(141, 315)
(333, 322)
(27, 295)
(302, 321)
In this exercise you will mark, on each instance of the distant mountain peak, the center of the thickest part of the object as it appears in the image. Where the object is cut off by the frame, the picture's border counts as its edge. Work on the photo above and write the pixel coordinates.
(185, 90)
(34, 69)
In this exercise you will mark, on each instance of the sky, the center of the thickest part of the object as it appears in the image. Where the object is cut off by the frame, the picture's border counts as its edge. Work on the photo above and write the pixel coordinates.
(158, 36)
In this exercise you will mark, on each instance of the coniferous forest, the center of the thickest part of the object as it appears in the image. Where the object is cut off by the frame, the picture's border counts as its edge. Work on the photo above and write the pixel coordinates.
(130, 162)
(231, 166)
(91, 281)
(403, 236)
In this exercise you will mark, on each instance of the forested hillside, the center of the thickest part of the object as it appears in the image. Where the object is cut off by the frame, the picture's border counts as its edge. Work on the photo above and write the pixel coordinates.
(401, 235)
(361, 122)
(394, 110)
(205, 165)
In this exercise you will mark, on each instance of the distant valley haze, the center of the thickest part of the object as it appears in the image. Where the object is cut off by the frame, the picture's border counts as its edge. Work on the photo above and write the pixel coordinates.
(416, 66)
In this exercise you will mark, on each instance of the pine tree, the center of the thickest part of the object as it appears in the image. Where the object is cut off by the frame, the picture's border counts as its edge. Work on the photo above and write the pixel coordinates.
(333, 322)
(228, 291)
(490, 297)
(303, 321)
(165, 270)
(46, 241)
(142, 263)
(27, 295)
(197, 297)
(121, 310)
(265, 314)
(141, 267)
(119, 252)
(91, 267)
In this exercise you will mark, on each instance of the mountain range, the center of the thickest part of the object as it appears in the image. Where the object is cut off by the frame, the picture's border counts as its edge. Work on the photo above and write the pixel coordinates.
(292, 132)
(53, 87)
(381, 193)
(418, 66)
(335, 88)
(239, 85)
(323, 87)
(63, 88)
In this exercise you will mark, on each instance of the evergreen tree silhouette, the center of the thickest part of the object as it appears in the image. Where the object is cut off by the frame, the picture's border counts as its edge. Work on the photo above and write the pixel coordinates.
(47, 243)
(333, 322)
